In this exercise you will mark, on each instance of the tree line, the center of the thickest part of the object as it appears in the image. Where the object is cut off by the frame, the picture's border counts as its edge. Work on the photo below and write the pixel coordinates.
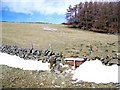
(94, 16)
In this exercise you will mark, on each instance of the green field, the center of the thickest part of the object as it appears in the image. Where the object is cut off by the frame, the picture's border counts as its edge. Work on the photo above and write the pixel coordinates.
(69, 41)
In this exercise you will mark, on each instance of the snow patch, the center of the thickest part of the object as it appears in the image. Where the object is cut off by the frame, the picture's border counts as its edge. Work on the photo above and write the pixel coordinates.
(90, 71)
(76, 59)
(16, 62)
(49, 29)
(95, 71)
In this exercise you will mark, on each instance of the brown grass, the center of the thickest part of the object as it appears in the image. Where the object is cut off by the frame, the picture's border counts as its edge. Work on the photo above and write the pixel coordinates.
(62, 40)
(17, 78)
(67, 40)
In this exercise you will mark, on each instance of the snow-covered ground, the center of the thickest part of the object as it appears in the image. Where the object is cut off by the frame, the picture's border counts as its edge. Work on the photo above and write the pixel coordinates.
(16, 62)
(95, 71)
(49, 29)
(90, 71)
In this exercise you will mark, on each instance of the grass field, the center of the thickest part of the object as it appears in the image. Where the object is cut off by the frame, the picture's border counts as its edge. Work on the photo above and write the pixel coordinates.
(69, 41)
(17, 78)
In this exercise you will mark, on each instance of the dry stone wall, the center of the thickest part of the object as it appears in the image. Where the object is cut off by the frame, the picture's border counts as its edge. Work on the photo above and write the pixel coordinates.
(30, 53)
(49, 55)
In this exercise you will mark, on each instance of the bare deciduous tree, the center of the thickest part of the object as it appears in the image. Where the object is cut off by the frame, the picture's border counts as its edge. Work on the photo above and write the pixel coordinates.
(94, 16)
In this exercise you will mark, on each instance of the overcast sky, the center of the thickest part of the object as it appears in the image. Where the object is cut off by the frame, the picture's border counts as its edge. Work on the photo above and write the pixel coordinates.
(51, 11)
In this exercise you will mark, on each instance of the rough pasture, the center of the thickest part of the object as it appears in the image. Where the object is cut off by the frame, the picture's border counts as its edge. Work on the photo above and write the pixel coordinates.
(69, 41)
